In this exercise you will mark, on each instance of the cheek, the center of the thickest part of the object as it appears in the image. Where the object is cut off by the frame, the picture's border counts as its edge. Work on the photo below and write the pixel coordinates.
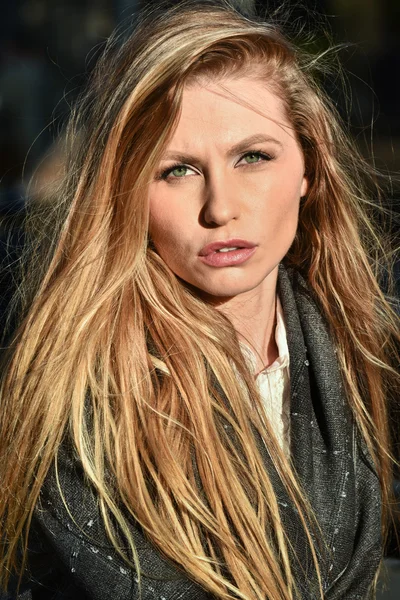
(166, 234)
(173, 222)
(161, 225)
(283, 200)
(281, 215)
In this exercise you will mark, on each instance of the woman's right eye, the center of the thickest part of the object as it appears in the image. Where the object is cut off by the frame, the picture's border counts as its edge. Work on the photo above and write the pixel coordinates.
(176, 172)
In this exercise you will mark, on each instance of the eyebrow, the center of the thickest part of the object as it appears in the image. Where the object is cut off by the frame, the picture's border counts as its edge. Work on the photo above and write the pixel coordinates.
(238, 148)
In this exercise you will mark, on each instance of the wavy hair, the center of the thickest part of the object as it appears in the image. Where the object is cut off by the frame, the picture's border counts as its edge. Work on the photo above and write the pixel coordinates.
(114, 343)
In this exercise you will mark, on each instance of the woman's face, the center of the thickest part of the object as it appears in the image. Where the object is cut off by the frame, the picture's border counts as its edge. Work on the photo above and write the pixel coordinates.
(224, 201)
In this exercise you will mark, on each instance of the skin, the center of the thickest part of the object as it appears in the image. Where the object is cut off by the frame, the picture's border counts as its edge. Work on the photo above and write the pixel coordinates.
(221, 192)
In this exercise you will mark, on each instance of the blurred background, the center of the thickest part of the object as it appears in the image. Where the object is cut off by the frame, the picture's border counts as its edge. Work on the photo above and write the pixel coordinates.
(48, 48)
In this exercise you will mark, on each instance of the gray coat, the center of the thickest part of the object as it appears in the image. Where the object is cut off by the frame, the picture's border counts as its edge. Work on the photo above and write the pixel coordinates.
(74, 560)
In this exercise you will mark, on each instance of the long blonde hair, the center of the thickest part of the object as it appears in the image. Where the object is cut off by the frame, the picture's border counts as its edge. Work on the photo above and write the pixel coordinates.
(108, 317)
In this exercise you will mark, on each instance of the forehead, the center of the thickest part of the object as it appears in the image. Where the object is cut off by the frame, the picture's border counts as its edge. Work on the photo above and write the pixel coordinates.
(230, 109)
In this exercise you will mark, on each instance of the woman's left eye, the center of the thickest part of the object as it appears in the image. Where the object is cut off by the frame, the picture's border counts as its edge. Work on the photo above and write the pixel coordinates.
(251, 158)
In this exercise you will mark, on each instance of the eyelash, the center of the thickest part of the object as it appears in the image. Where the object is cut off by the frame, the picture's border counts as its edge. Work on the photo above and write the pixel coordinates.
(164, 174)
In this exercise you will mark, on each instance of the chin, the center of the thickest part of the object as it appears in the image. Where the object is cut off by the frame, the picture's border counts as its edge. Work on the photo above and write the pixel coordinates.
(223, 286)
(227, 290)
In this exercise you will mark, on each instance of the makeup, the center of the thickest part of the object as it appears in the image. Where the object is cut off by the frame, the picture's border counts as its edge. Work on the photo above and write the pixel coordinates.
(227, 253)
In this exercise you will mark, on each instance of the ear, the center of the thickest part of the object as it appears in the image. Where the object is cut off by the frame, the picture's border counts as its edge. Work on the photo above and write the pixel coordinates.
(304, 187)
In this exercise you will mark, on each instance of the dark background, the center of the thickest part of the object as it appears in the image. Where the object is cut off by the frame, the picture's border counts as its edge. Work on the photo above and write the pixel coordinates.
(47, 48)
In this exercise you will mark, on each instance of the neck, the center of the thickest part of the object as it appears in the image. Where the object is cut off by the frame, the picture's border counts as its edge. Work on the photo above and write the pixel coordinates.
(253, 315)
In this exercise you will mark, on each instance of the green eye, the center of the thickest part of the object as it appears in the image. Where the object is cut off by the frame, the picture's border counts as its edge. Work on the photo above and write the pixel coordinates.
(176, 172)
(179, 171)
(252, 158)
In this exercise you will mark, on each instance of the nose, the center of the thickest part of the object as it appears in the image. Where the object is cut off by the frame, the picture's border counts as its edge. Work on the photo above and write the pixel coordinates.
(221, 202)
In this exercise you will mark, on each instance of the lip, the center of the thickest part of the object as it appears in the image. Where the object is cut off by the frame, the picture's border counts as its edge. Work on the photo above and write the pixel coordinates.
(236, 242)
(243, 251)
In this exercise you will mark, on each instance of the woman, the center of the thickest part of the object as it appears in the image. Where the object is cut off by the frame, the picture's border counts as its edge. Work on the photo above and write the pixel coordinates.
(195, 404)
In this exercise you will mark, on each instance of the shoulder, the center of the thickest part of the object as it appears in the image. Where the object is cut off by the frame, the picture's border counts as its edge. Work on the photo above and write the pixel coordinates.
(68, 521)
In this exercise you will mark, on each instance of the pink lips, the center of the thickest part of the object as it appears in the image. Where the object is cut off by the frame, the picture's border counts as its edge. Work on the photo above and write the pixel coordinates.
(243, 250)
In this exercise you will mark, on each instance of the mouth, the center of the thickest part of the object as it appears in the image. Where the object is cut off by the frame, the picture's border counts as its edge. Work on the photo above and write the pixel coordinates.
(228, 253)
(226, 246)
(228, 249)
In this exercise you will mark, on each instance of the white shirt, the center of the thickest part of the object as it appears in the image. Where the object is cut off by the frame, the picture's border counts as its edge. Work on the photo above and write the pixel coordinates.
(274, 382)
